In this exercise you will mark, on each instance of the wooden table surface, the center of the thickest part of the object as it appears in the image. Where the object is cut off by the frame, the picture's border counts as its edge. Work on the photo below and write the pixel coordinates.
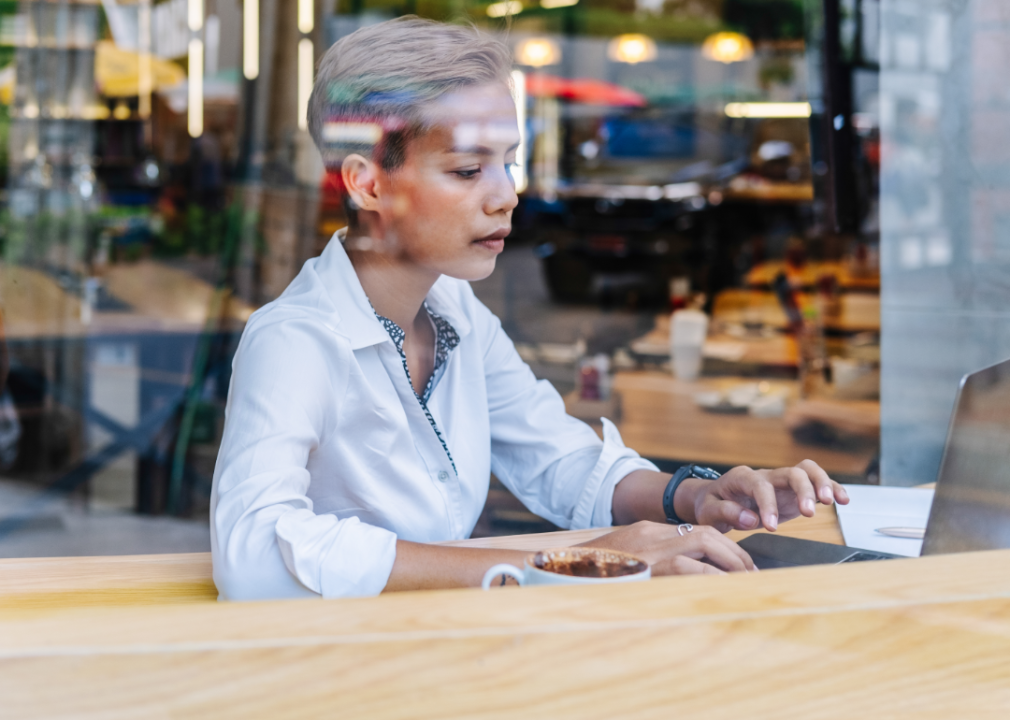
(136, 637)
(917, 638)
(661, 420)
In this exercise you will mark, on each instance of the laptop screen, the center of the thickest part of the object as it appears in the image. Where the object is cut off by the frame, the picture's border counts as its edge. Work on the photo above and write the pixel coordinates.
(971, 508)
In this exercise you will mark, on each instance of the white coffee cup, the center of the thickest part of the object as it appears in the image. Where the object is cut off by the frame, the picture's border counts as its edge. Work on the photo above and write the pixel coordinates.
(531, 574)
(688, 329)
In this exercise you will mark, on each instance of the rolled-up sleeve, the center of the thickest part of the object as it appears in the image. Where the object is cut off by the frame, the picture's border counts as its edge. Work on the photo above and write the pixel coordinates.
(555, 464)
(266, 540)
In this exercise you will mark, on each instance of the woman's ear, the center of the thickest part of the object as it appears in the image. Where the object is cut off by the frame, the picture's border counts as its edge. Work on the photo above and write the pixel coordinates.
(360, 176)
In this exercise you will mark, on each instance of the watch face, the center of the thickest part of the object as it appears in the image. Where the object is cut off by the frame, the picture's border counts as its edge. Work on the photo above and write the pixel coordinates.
(704, 473)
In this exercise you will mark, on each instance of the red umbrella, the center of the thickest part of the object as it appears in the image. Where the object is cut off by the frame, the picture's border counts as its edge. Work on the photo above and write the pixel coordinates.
(582, 90)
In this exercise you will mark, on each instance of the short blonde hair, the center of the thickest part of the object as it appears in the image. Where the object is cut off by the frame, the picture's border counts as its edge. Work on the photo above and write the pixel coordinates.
(383, 75)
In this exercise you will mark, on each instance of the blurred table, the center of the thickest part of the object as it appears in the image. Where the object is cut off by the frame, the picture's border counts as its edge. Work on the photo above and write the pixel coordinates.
(754, 188)
(156, 298)
(848, 275)
(732, 347)
(857, 312)
(771, 351)
(660, 419)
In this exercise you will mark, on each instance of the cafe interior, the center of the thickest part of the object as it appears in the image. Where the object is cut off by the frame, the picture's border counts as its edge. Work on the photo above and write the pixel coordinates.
(748, 233)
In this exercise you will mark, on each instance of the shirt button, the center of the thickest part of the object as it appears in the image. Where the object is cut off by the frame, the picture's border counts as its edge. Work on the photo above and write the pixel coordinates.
(443, 476)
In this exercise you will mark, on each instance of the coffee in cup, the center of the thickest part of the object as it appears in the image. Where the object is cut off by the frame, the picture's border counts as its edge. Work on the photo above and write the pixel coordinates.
(573, 566)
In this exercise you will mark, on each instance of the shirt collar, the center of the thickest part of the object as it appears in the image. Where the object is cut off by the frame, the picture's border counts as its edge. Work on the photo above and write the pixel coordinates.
(354, 317)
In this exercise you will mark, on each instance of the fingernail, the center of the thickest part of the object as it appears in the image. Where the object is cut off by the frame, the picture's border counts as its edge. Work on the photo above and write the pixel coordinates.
(748, 519)
(773, 522)
(826, 494)
(808, 505)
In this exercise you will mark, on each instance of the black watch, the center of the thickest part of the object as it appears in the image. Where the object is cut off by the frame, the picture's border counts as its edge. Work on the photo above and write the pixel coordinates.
(682, 474)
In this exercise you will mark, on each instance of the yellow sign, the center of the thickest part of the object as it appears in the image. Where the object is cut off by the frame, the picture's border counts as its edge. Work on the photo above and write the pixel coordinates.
(117, 71)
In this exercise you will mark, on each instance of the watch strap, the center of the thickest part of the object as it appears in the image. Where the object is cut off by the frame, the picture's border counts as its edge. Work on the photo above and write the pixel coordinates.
(682, 474)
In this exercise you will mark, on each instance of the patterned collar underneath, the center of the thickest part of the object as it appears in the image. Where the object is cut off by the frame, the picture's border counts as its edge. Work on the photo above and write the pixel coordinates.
(446, 339)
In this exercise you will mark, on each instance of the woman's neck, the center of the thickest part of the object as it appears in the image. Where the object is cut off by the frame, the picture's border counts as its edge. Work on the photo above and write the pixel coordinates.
(395, 286)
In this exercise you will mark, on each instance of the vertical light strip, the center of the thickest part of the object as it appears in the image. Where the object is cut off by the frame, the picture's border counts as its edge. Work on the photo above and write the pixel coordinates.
(251, 39)
(195, 14)
(306, 16)
(550, 148)
(145, 82)
(195, 115)
(306, 60)
(519, 94)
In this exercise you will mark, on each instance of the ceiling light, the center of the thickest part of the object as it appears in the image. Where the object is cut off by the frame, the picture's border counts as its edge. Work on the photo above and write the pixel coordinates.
(632, 48)
(727, 47)
(537, 52)
(501, 9)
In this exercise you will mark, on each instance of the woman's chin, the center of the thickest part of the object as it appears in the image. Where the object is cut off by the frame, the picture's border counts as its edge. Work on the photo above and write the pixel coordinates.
(472, 271)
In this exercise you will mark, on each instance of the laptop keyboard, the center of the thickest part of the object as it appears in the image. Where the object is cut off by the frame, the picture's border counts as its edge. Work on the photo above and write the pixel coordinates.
(865, 556)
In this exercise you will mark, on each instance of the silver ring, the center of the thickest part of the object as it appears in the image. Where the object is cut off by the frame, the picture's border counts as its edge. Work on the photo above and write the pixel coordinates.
(684, 528)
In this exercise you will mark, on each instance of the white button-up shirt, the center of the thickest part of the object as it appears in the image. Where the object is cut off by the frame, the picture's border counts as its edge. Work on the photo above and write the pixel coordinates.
(328, 456)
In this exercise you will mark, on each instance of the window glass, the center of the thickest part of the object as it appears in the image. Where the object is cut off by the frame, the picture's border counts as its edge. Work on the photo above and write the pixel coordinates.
(698, 175)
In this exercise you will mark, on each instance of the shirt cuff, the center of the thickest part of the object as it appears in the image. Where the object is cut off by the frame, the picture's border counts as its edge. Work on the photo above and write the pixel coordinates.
(595, 505)
(336, 558)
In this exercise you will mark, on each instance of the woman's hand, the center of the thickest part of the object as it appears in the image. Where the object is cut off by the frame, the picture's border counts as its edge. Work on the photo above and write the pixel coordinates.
(702, 550)
(744, 499)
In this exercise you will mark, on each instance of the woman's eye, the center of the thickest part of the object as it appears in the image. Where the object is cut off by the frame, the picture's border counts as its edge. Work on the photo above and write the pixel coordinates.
(466, 174)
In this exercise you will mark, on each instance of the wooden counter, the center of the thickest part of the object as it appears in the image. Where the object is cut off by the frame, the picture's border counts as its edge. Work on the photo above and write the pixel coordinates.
(918, 638)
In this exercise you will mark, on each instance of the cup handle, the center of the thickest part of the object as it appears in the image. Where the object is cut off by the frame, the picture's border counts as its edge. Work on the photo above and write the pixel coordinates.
(503, 569)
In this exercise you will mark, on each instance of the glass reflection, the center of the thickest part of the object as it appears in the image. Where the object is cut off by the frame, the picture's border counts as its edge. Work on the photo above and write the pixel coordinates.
(162, 184)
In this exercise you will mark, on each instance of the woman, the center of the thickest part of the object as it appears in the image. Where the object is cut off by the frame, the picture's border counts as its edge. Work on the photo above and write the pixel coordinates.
(371, 401)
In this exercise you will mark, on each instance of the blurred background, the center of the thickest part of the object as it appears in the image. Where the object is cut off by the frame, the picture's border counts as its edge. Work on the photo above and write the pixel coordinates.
(774, 171)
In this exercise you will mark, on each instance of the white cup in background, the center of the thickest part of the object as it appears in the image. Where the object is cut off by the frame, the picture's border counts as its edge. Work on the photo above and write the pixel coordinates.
(688, 329)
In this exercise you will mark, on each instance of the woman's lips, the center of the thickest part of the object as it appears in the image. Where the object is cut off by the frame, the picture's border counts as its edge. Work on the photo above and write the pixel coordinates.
(495, 241)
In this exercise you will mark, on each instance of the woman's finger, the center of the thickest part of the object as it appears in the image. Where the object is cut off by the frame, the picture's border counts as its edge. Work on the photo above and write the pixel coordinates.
(801, 485)
(721, 551)
(824, 486)
(683, 565)
(763, 493)
(726, 515)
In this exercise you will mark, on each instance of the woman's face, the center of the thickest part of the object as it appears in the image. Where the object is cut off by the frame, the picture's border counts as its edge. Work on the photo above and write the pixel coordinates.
(448, 207)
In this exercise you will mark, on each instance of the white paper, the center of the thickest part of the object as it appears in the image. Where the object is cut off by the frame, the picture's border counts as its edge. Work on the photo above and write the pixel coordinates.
(871, 507)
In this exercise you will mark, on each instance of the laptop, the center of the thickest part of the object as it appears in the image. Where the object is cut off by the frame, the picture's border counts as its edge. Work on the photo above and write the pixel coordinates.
(971, 505)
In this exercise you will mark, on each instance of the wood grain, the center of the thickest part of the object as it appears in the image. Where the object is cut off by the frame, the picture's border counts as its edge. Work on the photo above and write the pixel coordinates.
(104, 581)
(922, 638)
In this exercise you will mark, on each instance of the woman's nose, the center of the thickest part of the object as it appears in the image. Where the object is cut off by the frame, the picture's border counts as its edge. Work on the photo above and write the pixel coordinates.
(502, 195)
